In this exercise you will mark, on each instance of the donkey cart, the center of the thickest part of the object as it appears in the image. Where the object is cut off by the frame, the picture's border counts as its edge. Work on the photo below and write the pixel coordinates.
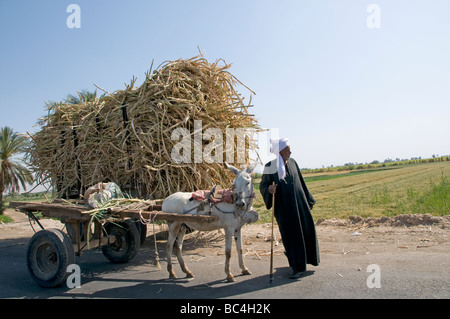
(51, 251)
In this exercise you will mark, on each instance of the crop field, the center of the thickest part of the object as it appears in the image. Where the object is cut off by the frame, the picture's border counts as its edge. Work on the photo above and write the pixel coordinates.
(389, 191)
(374, 192)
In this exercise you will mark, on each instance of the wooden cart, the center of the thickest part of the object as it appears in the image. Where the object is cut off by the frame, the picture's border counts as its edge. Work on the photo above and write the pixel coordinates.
(51, 251)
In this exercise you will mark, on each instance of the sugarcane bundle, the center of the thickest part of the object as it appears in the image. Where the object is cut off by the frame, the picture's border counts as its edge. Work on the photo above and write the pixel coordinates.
(127, 137)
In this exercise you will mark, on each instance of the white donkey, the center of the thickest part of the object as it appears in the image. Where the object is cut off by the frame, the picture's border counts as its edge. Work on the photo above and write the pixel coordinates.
(232, 216)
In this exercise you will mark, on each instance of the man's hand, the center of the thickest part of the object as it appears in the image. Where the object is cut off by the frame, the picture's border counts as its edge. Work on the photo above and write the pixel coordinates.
(272, 189)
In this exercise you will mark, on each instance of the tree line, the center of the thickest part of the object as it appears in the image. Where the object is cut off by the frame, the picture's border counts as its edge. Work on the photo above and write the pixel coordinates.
(376, 164)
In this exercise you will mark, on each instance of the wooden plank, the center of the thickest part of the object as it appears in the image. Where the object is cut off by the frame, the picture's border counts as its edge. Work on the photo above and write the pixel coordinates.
(70, 201)
(159, 215)
(18, 204)
(65, 212)
(153, 208)
(68, 213)
(51, 207)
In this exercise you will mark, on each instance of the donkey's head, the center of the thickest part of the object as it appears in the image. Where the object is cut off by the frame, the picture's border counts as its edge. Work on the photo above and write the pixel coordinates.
(242, 187)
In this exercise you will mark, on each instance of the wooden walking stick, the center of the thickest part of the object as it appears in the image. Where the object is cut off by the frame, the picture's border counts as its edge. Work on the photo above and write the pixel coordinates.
(271, 238)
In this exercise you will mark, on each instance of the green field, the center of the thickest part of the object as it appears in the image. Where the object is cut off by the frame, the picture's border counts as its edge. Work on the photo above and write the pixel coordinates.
(389, 191)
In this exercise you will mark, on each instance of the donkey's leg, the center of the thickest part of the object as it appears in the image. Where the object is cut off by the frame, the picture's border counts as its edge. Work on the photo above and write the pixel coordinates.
(178, 246)
(174, 229)
(238, 239)
(228, 244)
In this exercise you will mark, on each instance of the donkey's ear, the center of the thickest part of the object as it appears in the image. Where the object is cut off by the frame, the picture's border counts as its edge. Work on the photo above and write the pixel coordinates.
(251, 167)
(232, 168)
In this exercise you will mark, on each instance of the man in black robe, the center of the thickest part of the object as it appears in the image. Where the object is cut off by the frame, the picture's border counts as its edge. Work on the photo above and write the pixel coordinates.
(293, 204)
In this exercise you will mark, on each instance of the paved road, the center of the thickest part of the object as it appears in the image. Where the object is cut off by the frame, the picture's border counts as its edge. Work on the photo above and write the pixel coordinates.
(408, 274)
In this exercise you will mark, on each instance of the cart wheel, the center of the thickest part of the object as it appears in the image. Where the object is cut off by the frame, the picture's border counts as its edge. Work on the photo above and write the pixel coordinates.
(142, 228)
(127, 241)
(71, 234)
(49, 253)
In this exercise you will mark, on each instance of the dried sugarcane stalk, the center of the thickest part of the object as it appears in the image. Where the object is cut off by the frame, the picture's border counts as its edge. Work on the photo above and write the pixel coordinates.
(125, 136)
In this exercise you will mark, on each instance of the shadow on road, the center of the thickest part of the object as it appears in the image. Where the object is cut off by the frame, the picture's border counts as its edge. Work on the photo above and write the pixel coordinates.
(137, 279)
(184, 288)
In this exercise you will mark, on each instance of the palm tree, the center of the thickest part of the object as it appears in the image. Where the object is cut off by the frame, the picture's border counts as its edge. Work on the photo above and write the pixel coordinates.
(12, 173)
(83, 97)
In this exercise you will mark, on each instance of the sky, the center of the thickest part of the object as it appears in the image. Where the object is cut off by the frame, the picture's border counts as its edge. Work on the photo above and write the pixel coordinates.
(342, 81)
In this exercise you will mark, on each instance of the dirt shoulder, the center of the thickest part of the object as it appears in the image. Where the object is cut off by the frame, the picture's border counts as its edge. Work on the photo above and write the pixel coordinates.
(364, 236)
(352, 236)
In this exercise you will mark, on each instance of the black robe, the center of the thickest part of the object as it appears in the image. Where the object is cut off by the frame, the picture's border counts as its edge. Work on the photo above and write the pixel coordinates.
(292, 212)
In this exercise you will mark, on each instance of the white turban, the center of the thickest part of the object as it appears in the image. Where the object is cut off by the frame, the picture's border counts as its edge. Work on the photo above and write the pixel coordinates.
(276, 146)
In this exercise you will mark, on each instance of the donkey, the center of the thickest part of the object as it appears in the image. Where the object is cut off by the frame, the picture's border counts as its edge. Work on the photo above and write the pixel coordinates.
(232, 216)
